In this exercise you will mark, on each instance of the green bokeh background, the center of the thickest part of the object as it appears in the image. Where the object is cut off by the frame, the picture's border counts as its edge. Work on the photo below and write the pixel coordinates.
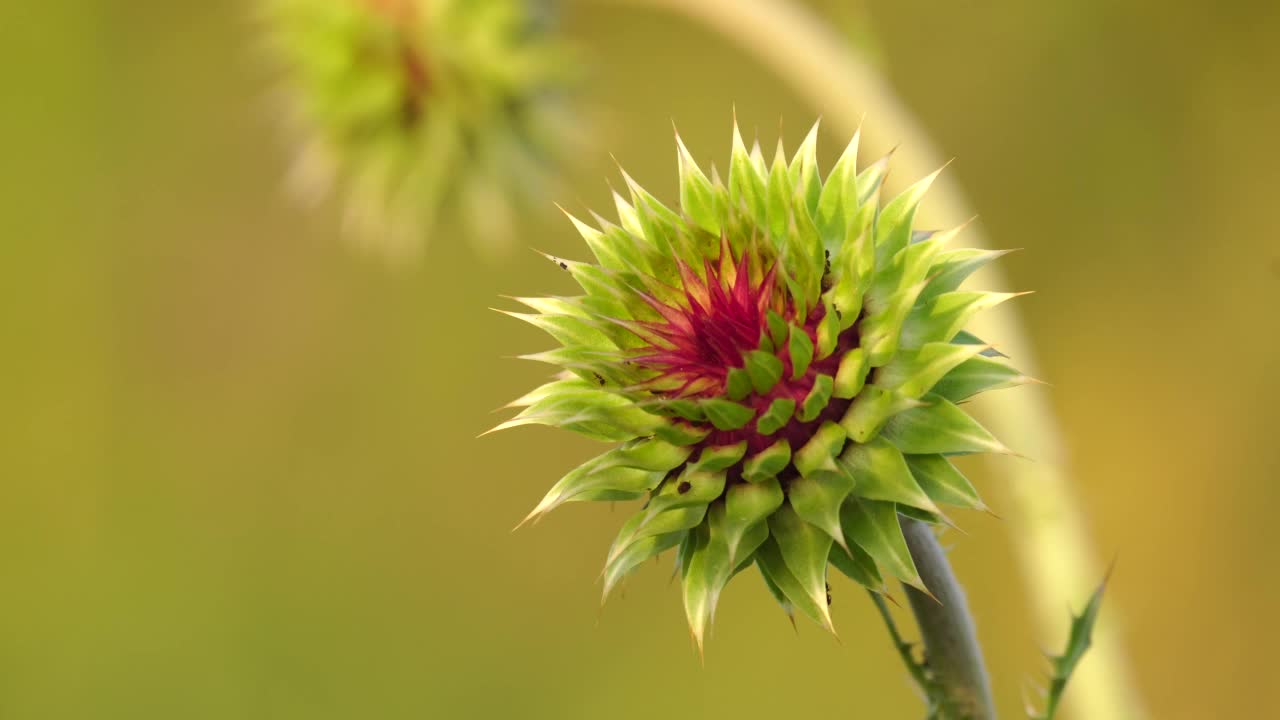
(238, 468)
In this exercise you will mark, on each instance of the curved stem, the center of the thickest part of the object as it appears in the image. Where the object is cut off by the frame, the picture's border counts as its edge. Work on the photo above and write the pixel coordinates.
(952, 653)
(1046, 520)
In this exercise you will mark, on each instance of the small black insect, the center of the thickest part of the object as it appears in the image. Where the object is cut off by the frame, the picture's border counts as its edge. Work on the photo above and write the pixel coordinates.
(564, 265)
(599, 379)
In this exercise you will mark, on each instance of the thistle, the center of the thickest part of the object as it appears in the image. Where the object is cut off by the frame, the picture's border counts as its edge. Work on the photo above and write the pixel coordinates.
(781, 362)
(406, 106)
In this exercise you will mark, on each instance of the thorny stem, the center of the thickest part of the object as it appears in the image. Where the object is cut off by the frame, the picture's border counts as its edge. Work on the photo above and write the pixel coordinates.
(1053, 546)
(918, 671)
(953, 657)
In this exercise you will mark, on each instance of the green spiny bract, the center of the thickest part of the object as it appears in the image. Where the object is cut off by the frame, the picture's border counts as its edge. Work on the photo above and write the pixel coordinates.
(781, 361)
(406, 106)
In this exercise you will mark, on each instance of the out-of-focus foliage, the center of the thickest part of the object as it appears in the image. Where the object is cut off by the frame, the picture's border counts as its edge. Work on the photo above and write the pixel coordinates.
(406, 107)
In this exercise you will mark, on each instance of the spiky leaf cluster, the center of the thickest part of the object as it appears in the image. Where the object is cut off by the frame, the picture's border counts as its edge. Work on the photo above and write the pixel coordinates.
(405, 106)
(782, 363)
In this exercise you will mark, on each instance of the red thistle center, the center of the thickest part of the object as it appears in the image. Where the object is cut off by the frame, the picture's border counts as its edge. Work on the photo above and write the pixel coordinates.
(706, 333)
(722, 316)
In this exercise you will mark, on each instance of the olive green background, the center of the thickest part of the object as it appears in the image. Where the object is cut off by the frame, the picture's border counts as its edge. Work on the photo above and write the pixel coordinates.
(238, 468)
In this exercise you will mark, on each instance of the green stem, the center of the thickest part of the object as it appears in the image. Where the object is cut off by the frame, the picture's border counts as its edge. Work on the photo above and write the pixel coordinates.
(1044, 516)
(917, 670)
(952, 653)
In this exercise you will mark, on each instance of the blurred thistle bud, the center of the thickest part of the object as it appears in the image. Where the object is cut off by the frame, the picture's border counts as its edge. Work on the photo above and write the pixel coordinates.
(409, 107)
(781, 361)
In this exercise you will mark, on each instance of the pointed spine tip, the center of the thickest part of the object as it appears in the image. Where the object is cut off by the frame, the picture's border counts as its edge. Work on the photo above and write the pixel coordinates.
(842, 542)
(918, 585)
(827, 623)
(696, 636)
(531, 518)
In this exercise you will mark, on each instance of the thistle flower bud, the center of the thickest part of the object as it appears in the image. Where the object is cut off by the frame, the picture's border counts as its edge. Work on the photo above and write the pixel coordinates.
(407, 106)
(781, 363)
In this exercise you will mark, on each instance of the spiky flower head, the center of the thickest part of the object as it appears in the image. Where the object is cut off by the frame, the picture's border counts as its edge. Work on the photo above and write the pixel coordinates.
(781, 361)
(405, 106)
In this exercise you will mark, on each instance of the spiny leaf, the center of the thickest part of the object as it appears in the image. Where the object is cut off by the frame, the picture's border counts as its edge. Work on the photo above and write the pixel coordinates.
(769, 561)
(704, 572)
(816, 401)
(871, 409)
(804, 175)
(818, 454)
(941, 319)
(718, 457)
(670, 509)
(563, 383)
(737, 384)
(568, 330)
(611, 254)
(803, 549)
(779, 196)
(679, 433)
(650, 454)
(727, 415)
(857, 565)
(747, 505)
(768, 462)
(635, 555)
(881, 331)
(953, 267)
(868, 182)
(837, 194)
(893, 226)
(1079, 640)
(851, 265)
(978, 375)
(852, 373)
(764, 369)
(777, 415)
(943, 482)
(881, 473)
(817, 499)
(778, 330)
(746, 184)
(939, 427)
(600, 415)
(873, 526)
(800, 351)
(828, 331)
(803, 261)
(907, 268)
(699, 199)
(590, 478)
(555, 306)
(915, 372)
(675, 407)
(964, 337)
